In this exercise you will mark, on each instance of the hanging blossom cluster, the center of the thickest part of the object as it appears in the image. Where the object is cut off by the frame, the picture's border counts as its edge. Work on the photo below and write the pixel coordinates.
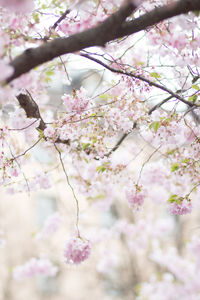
(51, 225)
(179, 205)
(33, 267)
(77, 250)
(135, 197)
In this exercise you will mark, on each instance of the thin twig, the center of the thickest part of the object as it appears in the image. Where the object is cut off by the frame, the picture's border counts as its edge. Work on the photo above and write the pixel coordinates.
(159, 104)
(143, 165)
(194, 187)
(19, 166)
(71, 187)
(31, 147)
(23, 128)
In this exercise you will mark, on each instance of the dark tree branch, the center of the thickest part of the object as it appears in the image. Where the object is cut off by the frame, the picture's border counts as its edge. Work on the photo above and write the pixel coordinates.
(97, 36)
(55, 25)
(120, 141)
(157, 15)
(159, 104)
(113, 27)
(62, 17)
(32, 111)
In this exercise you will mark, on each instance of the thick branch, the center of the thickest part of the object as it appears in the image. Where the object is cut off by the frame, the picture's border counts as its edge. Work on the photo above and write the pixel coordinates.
(32, 111)
(157, 15)
(99, 35)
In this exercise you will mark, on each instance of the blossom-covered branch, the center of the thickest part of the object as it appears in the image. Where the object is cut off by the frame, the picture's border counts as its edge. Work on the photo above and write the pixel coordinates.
(112, 28)
(142, 78)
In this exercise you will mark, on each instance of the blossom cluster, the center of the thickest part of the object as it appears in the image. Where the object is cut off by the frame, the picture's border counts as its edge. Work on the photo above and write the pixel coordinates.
(181, 208)
(33, 267)
(51, 225)
(77, 250)
(135, 197)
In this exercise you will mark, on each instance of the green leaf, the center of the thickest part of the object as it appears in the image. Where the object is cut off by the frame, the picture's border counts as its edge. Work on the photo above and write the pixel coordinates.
(185, 161)
(86, 160)
(103, 97)
(196, 12)
(173, 198)
(193, 98)
(41, 132)
(97, 197)
(86, 145)
(94, 140)
(195, 86)
(36, 17)
(155, 125)
(171, 152)
(174, 167)
(155, 75)
(49, 72)
(100, 169)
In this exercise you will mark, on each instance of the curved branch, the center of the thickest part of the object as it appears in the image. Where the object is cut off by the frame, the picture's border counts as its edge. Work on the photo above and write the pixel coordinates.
(97, 36)
(142, 78)
(157, 15)
(113, 27)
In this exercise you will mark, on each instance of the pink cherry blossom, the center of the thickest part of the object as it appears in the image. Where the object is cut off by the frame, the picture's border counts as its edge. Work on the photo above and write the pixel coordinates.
(5, 70)
(42, 180)
(34, 267)
(76, 102)
(77, 250)
(184, 207)
(135, 197)
(22, 6)
(50, 132)
(51, 225)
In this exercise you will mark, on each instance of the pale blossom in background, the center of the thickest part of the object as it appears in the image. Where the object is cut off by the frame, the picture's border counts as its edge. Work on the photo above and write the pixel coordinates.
(19, 6)
(5, 70)
(33, 267)
(51, 225)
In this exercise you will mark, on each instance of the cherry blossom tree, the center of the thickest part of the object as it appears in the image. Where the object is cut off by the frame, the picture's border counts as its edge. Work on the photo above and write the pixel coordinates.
(134, 140)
